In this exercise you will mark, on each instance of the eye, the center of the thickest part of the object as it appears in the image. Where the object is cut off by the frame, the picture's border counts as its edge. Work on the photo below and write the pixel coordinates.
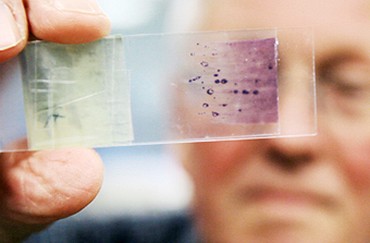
(346, 75)
(344, 83)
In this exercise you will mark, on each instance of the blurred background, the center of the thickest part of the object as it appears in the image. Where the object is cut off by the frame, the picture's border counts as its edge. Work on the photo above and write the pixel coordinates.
(142, 179)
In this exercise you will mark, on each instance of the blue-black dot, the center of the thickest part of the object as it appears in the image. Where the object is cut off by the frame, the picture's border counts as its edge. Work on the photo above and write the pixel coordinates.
(255, 92)
(235, 91)
(270, 66)
(224, 81)
(215, 75)
(240, 110)
(210, 91)
(215, 114)
(205, 105)
(245, 92)
(195, 79)
(217, 81)
(257, 81)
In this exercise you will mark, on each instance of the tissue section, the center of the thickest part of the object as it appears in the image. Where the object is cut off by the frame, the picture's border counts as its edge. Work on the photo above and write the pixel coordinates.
(236, 80)
(76, 95)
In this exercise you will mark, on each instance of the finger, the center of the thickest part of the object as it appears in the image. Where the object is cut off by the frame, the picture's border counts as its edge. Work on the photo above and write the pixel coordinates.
(40, 187)
(13, 28)
(67, 21)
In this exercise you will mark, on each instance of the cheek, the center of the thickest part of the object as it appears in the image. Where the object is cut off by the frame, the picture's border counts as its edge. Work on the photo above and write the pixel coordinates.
(358, 164)
(349, 143)
(218, 160)
(354, 152)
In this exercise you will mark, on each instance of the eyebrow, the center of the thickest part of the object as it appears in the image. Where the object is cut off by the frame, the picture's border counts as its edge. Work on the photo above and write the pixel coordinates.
(338, 57)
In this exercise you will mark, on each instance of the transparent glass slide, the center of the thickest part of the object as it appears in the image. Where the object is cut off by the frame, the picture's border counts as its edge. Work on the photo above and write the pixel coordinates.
(165, 88)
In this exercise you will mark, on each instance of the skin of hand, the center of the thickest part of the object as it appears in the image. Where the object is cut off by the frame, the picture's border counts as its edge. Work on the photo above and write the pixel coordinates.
(67, 21)
(37, 188)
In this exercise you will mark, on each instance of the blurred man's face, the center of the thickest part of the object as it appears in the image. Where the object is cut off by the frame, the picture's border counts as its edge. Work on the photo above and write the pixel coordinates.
(314, 189)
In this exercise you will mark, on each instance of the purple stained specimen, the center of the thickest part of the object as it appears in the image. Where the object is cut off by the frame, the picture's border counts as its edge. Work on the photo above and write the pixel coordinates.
(250, 67)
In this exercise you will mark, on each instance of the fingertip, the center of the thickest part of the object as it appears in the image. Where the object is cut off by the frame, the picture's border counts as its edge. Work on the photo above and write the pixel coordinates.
(73, 30)
(12, 51)
(13, 34)
(68, 22)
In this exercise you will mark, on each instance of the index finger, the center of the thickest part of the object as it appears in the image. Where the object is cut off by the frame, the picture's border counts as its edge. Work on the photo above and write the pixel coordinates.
(67, 21)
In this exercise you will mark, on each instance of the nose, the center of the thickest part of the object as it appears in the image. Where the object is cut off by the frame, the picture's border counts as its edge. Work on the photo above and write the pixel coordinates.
(297, 118)
(297, 105)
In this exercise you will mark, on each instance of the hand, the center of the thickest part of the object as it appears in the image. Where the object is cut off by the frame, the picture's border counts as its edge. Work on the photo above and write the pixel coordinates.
(64, 21)
(37, 188)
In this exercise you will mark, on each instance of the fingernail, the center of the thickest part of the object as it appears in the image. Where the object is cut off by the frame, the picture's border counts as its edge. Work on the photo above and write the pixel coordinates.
(10, 34)
(79, 6)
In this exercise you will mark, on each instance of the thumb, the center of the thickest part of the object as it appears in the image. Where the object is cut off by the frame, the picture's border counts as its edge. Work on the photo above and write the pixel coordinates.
(13, 28)
(40, 187)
